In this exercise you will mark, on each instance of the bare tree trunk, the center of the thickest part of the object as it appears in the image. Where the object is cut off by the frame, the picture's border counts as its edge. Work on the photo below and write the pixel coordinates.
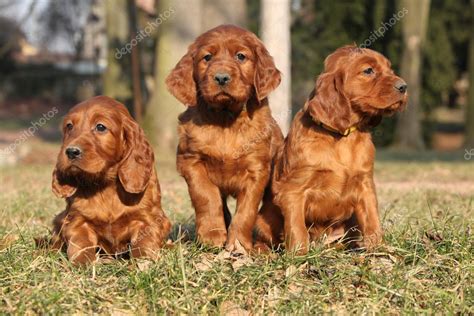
(135, 65)
(275, 32)
(470, 105)
(408, 132)
(180, 25)
(116, 78)
(217, 12)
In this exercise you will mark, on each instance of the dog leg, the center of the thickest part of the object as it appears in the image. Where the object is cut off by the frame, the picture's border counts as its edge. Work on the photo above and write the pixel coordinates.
(207, 202)
(241, 227)
(269, 224)
(81, 244)
(296, 233)
(367, 215)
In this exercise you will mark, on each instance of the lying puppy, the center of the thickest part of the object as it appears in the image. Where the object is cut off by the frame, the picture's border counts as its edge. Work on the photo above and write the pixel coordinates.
(227, 136)
(323, 179)
(106, 172)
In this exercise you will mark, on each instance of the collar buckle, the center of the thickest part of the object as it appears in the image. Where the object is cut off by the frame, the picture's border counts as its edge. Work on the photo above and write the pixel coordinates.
(347, 132)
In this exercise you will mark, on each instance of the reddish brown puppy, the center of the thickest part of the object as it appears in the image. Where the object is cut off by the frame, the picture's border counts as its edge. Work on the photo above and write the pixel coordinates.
(323, 180)
(227, 136)
(106, 172)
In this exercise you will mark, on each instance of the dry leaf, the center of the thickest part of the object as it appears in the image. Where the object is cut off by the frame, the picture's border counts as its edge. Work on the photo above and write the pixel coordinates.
(290, 271)
(241, 262)
(273, 295)
(144, 265)
(223, 255)
(295, 289)
(239, 249)
(204, 265)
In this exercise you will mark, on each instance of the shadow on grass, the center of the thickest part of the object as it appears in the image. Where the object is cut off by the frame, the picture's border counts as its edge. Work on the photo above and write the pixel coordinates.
(49, 132)
(390, 155)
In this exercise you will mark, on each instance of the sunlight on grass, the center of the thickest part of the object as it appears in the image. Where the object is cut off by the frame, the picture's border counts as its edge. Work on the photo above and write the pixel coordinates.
(426, 264)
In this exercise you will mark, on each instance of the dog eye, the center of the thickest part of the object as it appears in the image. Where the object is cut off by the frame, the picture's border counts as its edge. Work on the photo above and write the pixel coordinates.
(240, 56)
(69, 126)
(100, 128)
(207, 57)
(369, 71)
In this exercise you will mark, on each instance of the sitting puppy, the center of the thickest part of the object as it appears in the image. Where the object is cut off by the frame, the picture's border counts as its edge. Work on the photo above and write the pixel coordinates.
(106, 172)
(227, 136)
(323, 178)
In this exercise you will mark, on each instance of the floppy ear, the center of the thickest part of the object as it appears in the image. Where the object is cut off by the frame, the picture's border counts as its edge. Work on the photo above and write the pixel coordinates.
(327, 103)
(136, 167)
(267, 76)
(62, 188)
(180, 81)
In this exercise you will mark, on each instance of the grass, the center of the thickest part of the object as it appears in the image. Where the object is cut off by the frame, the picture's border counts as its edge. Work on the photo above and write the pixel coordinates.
(426, 264)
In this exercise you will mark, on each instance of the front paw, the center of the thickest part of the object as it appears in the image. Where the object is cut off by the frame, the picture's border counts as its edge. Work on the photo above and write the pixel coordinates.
(81, 256)
(213, 237)
(238, 242)
(298, 243)
(372, 241)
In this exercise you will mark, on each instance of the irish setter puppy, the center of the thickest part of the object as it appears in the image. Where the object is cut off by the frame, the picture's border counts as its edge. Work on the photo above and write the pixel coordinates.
(106, 172)
(227, 136)
(323, 179)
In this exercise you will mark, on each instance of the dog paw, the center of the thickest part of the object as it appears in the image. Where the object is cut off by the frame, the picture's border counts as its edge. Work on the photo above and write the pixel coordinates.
(213, 238)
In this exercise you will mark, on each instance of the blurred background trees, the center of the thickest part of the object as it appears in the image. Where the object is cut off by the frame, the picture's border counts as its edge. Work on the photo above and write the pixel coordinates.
(415, 22)
(63, 51)
(469, 142)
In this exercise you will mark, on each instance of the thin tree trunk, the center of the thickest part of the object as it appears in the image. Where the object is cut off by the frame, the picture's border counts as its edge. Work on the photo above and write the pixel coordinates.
(275, 32)
(181, 24)
(116, 78)
(135, 66)
(470, 105)
(408, 132)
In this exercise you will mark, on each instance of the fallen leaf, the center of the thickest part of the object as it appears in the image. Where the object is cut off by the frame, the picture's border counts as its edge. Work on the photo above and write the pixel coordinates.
(241, 262)
(295, 289)
(223, 255)
(273, 295)
(144, 265)
(204, 265)
(292, 269)
(239, 249)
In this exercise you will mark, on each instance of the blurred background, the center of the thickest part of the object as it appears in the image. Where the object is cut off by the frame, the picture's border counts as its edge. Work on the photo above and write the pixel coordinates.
(56, 53)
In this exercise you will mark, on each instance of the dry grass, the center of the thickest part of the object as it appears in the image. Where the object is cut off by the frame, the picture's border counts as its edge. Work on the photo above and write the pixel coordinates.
(426, 264)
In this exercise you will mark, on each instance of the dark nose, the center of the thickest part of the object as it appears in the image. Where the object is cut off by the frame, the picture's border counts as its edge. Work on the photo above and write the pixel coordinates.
(73, 152)
(401, 86)
(222, 78)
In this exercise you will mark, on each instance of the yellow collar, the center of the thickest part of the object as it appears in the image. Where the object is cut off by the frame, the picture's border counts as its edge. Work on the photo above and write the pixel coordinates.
(345, 133)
